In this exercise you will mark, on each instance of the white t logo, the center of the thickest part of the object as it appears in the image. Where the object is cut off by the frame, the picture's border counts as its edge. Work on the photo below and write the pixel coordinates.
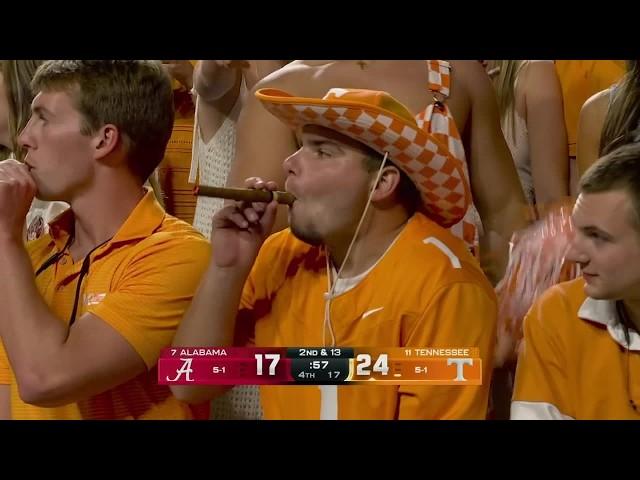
(460, 363)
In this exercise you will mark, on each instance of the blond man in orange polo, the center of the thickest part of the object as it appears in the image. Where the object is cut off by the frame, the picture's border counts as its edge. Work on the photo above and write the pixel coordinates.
(367, 261)
(87, 307)
(581, 353)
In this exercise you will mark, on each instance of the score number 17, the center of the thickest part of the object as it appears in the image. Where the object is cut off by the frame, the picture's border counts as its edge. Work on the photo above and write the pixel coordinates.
(274, 357)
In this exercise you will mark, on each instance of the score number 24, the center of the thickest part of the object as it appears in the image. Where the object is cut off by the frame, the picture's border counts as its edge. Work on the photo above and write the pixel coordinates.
(363, 362)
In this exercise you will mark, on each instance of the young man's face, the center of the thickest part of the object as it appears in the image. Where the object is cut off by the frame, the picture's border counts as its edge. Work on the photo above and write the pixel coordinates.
(58, 154)
(607, 245)
(328, 177)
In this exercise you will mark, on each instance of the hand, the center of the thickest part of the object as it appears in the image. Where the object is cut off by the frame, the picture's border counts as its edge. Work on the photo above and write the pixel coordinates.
(241, 64)
(240, 229)
(17, 189)
(181, 71)
(222, 71)
(215, 78)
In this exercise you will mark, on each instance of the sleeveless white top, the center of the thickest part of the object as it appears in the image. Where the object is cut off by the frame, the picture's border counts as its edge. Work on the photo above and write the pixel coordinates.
(517, 138)
(211, 163)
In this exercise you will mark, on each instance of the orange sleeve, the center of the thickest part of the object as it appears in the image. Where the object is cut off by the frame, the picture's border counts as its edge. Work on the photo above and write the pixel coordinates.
(153, 295)
(541, 375)
(256, 292)
(244, 334)
(460, 315)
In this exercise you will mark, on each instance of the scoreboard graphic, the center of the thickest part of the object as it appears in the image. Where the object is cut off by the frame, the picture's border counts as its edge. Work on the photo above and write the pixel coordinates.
(319, 366)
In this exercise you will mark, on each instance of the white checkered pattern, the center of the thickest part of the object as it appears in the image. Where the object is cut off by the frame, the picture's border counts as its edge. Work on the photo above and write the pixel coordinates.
(438, 174)
(437, 120)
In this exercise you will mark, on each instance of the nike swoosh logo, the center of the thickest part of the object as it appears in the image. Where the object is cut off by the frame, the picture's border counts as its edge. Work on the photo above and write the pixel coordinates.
(371, 312)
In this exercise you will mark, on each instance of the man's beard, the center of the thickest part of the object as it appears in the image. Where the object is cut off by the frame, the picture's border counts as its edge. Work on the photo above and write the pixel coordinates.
(307, 235)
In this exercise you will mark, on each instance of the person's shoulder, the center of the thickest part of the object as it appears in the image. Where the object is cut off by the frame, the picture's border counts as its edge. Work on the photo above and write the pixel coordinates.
(598, 101)
(538, 69)
(426, 232)
(473, 79)
(469, 67)
(539, 79)
(468, 72)
(441, 259)
(173, 235)
(570, 293)
(179, 228)
(594, 111)
(556, 310)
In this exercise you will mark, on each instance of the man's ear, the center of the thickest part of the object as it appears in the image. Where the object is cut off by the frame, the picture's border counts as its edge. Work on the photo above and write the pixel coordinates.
(387, 185)
(106, 140)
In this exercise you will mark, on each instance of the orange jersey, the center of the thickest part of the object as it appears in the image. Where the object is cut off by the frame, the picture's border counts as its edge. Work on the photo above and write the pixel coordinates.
(426, 291)
(580, 79)
(575, 362)
(140, 283)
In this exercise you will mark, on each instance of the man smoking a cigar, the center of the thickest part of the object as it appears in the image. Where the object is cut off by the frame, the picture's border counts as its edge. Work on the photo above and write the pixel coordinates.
(367, 261)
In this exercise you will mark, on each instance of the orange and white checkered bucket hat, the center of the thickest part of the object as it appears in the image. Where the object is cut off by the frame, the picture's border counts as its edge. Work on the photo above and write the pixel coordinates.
(379, 121)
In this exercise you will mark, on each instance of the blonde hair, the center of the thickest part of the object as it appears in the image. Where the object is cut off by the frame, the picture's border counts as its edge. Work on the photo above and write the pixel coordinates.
(17, 75)
(623, 116)
(504, 75)
(4, 151)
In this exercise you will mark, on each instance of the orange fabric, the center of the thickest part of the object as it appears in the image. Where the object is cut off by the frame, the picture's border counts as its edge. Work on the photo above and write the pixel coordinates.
(140, 283)
(438, 120)
(173, 172)
(536, 263)
(575, 364)
(580, 79)
(424, 293)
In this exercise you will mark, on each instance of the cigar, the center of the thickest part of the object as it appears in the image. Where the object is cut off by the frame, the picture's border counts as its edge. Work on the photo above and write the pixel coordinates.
(245, 194)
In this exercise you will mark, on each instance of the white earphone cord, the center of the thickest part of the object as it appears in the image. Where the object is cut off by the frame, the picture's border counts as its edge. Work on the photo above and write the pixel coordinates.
(328, 296)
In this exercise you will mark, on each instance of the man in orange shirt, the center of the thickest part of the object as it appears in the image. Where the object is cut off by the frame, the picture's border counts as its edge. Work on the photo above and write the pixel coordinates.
(453, 99)
(367, 261)
(115, 273)
(580, 358)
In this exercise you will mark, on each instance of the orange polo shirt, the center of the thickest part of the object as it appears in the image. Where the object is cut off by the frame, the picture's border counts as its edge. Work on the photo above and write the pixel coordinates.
(575, 362)
(141, 283)
(426, 291)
